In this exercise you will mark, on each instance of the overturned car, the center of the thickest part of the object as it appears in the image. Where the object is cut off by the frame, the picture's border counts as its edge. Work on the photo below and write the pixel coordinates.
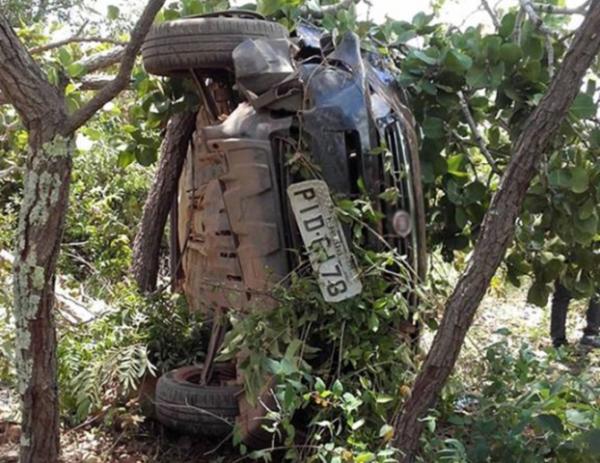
(285, 125)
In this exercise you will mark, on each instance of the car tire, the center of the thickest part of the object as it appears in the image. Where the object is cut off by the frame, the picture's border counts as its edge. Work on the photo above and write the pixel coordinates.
(204, 43)
(188, 407)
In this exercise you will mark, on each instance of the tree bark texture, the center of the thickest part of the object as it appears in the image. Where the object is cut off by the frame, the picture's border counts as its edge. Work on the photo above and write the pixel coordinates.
(146, 247)
(41, 223)
(40, 227)
(42, 109)
(497, 231)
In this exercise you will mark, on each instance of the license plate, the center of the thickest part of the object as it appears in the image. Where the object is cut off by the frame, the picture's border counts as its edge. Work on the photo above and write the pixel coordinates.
(324, 239)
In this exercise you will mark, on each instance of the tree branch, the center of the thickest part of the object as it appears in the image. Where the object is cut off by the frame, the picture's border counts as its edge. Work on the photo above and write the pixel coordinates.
(74, 39)
(327, 9)
(528, 7)
(551, 9)
(103, 96)
(86, 82)
(101, 60)
(492, 13)
(464, 106)
(22, 82)
(94, 82)
(91, 64)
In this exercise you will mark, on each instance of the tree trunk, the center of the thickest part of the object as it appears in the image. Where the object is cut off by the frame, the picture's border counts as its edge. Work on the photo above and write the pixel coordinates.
(41, 219)
(497, 231)
(42, 109)
(41, 223)
(146, 247)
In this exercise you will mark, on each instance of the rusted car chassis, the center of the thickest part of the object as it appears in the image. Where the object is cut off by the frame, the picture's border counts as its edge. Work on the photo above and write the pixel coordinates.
(271, 103)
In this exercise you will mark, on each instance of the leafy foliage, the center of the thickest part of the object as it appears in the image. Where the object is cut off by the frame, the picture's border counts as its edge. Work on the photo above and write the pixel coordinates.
(339, 369)
(502, 75)
(529, 408)
(103, 362)
(28, 11)
(342, 390)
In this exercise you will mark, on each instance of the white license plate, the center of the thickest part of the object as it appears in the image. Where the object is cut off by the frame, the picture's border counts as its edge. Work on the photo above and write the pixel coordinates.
(324, 240)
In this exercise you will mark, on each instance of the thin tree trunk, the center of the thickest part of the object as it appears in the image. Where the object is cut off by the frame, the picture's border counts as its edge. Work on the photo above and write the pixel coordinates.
(39, 232)
(497, 231)
(42, 109)
(41, 223)
(146, 246)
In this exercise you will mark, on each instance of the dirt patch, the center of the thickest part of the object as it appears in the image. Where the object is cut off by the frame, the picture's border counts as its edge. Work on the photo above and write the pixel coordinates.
(150, 443)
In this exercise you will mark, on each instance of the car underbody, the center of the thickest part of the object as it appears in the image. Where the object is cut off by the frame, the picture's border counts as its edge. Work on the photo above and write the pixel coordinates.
(277, 113)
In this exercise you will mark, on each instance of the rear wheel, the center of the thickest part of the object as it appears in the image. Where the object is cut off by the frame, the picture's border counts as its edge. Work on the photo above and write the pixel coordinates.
(182, 404)
(204, 43)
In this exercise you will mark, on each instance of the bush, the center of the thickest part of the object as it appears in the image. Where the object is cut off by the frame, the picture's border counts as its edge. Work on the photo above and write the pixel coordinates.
(103, 362)
(530, 406)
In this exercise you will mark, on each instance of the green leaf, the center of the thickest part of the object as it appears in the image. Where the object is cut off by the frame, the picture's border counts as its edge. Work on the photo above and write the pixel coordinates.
(433, 127)
(491, 45)
(477, 77)
(424, 57)
(460, 217)
(592, 439)
(475, 192)
(337, 388)
(405, 37)
(64, 57)
(319, 385)
(550, 422)
(428, 87)
(510, 53)
(580, 180)
(457, 62)
(421, 20)
(373, 322)
(269, 7)
(454, 191)
(538, 294)
(584, 285)
(507, 25)
(560, 178)
(577, 417)
(497, 74)
(113, 12)
(125, 158)
(455, 163)
(588, 226)
(533, 48)
(76, 69)
(532, 70)
(357, 424)
(146, 156)
(587, 209)
(584, 107)
(365, 457)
